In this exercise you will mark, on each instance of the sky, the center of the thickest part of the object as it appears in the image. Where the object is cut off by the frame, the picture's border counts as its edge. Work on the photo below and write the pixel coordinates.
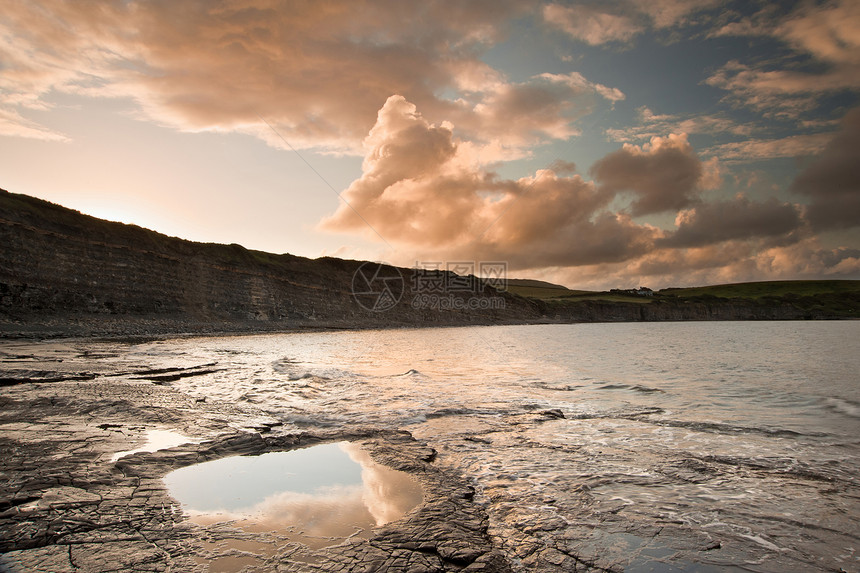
(592, 144)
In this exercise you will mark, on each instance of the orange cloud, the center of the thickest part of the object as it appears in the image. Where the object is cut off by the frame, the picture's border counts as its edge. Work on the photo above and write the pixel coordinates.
(729, 262)
(427, 190)
(422, 187)
(317, 71)
(546, 106)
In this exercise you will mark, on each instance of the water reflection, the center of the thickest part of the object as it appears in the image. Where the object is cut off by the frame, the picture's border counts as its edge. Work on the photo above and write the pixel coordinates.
(316, 496)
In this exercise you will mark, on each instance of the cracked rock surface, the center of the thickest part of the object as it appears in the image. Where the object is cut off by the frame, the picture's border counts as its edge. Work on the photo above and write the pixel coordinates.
(66, 506)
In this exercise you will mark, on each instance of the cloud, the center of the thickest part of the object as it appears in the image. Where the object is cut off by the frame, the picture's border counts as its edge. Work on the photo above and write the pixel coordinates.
(545, 106)
(832, 182)
(619, 22)
(669, 13)
(654, 125)
(40, 54)
(593, 25)
(12, 124)
(560, 221)
(416, 185)
(335, 511)
(829, 33)
(740, 218)
(664, 175)
(728, 262)
(421, 187)
(317, 72)
(758, 149)
(388, 493)
(774, 93)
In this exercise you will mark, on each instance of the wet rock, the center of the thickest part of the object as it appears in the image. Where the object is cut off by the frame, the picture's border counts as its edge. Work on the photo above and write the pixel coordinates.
(553, 413)
(64, 506)
(40, 377)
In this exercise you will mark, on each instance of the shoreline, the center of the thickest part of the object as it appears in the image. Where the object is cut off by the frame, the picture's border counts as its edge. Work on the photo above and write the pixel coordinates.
(43, 333)
(66, 506)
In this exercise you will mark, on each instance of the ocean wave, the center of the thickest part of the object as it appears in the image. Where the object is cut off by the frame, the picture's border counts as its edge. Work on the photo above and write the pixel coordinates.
(411, 372)
(722, 428)
(634, 387)
(842, 406)
(295, 376)
(779, 465)
(454, 411)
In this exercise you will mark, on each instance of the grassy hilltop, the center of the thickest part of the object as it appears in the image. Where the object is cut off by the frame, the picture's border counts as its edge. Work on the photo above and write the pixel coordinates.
(831, 298)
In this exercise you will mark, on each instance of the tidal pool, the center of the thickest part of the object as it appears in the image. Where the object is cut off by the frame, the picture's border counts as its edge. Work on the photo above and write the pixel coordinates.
(317, 496)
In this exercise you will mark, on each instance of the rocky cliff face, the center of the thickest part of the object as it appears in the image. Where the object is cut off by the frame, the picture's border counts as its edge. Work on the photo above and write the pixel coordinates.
(64, 272)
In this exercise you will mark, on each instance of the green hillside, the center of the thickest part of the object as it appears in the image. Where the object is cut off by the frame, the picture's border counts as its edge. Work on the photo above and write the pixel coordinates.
(808, 298)
(531, 288)
(756, 290)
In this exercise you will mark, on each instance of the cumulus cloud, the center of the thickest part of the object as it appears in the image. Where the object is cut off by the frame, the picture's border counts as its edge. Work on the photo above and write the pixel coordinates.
(664, 175)
(383, 495)
(421, 186)
(832, 182)
(416, 186)
(388, 494)
(552, 220)
(325, 75)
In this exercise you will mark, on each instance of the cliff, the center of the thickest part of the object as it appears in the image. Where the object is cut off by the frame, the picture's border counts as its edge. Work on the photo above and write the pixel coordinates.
(662, 310)
(65, 273)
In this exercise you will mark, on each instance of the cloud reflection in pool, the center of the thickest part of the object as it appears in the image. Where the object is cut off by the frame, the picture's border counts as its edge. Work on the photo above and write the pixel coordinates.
(317, 495)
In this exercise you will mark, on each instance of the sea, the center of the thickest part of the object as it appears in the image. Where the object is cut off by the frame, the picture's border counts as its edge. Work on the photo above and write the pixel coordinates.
(659, 447)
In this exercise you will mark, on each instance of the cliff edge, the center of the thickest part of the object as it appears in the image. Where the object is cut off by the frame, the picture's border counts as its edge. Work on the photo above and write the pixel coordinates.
(65, 273)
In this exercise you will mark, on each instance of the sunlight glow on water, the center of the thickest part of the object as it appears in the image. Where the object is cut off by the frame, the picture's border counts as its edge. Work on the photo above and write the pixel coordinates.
(725, 442)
